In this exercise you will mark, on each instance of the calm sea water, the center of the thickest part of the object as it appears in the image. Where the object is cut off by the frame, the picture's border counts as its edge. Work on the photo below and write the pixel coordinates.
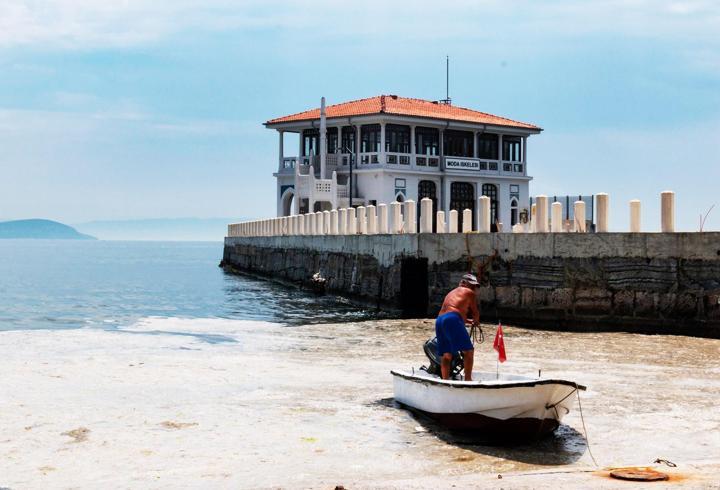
(105, 284)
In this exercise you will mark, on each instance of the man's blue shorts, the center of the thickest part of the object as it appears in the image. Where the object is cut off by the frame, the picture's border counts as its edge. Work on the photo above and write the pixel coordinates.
(451, 334)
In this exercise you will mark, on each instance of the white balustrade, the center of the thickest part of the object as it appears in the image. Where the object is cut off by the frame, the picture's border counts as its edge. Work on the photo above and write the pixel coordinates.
(361, 220)
(410, 224)
(382, 219)
(667, 211)
(453, 222)
(579, 216)
(371, 218)
(467, 221)
(635, 225)
(326, 222)
(483, 214)
(301, 224)
(533, 217)
(426, 215)
(397, 221)
(334, 222)
(440, 224)
(351, 222)
(602, 201)
(541, 214)
(342, 221)
(556, 219)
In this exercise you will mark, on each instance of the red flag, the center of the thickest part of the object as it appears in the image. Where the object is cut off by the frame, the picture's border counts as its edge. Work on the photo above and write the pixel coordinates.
(499, 344)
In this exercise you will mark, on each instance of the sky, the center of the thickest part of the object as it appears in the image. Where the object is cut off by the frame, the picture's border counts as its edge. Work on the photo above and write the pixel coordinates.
(154, 109)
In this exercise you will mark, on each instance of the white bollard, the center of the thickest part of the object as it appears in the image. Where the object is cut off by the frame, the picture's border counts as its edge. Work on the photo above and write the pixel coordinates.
(426, 215)
(602, 201)
(334, 222)
(351, 222)
(579, 216)
(484, 214)
(382, 219)
(467, 221)
(453, 221)
(310, 224)
(342, 221)
(361, 220)
(397, 221)
(410, 224)
(667, 211)
(541, 214)
(326, 222)
(319, 223)
(371, 219)
(556, 219)
(635, 225)
(533, 217)
(440, 224)
(301, 224)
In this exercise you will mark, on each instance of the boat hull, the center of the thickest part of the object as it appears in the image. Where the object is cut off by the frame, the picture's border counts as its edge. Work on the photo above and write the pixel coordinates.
(511, 408)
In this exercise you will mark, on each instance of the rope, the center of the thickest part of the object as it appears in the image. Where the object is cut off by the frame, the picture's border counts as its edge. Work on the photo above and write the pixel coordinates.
(476, 334)
(587, 441)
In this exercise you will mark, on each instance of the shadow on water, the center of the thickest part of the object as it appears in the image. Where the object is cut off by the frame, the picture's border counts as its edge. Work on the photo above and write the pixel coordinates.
(205, 337)
(564, 446)
(265, 299)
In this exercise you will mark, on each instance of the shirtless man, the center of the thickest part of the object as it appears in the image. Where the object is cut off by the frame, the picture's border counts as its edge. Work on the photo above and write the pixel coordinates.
(450, 326)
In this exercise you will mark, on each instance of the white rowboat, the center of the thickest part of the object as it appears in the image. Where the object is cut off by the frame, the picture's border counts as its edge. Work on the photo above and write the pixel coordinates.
(506, 407)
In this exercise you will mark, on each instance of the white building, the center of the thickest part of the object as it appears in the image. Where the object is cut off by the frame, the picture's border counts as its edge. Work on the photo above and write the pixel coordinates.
(390, 148)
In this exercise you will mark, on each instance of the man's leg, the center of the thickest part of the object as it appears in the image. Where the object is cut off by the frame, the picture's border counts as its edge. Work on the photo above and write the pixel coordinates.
(468, 356)
(445, 363)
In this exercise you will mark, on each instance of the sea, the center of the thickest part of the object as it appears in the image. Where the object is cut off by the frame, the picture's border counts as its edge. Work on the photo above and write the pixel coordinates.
(62, 284)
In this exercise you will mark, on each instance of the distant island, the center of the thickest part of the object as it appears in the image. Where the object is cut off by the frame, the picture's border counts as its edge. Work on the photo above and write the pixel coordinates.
(160, 229)
(41, 229)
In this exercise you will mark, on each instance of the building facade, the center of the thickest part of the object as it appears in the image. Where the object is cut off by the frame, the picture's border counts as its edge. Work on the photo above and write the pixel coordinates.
(390, 148)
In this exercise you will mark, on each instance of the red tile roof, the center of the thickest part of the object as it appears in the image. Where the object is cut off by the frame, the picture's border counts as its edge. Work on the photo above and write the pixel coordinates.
(403, 106)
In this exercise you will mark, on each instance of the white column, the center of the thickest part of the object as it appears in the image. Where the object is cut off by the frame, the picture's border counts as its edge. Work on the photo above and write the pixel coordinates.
(467, 221)
(667, 211)
(426, 215)
(579, 212)
(397, 221)
(301, 224)
(541, 214)
(382, 219)
(410, 217)
(381, 157)
(484, 214)
(635, 226)
(319, 223)
(323, 139)
(371, 219)
(603, 210)
(351, 222)
(281, 151)
(361, 220)
(453, 222)
(440, 222)
(342, 221)
(413, 150)
(556, 220)
(334, 222)
(533, 217)
(326, 222)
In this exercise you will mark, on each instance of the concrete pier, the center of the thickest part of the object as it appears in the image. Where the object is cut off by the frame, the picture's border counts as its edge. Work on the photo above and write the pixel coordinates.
(652, 282)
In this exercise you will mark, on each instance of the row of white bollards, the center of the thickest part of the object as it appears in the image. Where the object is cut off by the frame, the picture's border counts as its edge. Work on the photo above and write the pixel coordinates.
(402, 218)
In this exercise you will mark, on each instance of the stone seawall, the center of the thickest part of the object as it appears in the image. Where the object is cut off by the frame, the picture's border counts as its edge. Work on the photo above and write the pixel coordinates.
(653, 282)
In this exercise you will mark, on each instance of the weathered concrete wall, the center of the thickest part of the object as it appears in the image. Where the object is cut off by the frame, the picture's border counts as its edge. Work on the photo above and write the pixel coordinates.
(638, 281)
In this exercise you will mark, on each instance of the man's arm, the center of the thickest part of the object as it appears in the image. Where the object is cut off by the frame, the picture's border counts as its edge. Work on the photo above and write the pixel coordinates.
(472, 299)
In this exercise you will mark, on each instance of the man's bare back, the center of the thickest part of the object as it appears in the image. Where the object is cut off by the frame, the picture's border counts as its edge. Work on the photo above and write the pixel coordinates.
(461, 300)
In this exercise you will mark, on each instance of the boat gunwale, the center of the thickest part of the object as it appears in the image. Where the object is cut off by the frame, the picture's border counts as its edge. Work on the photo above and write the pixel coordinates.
(478, 384)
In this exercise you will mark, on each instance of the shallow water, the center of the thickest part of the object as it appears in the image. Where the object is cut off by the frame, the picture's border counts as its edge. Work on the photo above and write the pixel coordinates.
(144, 365)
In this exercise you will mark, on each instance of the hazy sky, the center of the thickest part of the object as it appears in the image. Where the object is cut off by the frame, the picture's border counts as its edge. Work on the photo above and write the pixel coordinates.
(138, 109)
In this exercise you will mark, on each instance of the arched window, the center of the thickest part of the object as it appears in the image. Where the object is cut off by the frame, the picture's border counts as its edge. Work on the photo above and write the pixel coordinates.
(490, 190)
(513, 212)
(462, 197)
(399, 197)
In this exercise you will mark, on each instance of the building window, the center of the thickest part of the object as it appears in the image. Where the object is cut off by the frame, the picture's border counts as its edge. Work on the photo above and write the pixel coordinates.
(311, 142)
(348, 139)
(513, 212)
(488, 146)
(490, 190)
(458, 143)
(397, 138)
(332, 140)
(515, 191)
(462, 197)
(400, 183)
(511, 148)
(427, 141)
(370, 138)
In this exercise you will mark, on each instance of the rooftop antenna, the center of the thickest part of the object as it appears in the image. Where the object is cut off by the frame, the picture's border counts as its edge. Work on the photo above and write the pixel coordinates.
(447, 100)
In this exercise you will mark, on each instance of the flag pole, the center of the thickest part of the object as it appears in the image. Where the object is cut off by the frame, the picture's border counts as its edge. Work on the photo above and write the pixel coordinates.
(497, 368)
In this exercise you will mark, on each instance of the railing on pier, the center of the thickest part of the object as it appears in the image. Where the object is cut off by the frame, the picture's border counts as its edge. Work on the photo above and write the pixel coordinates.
(403, 218)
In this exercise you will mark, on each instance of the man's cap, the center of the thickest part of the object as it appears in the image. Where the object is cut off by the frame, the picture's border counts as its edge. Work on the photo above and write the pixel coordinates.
(470, 279)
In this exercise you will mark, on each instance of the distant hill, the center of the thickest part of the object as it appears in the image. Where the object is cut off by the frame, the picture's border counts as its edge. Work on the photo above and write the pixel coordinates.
(40, 228)
(160, 229)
